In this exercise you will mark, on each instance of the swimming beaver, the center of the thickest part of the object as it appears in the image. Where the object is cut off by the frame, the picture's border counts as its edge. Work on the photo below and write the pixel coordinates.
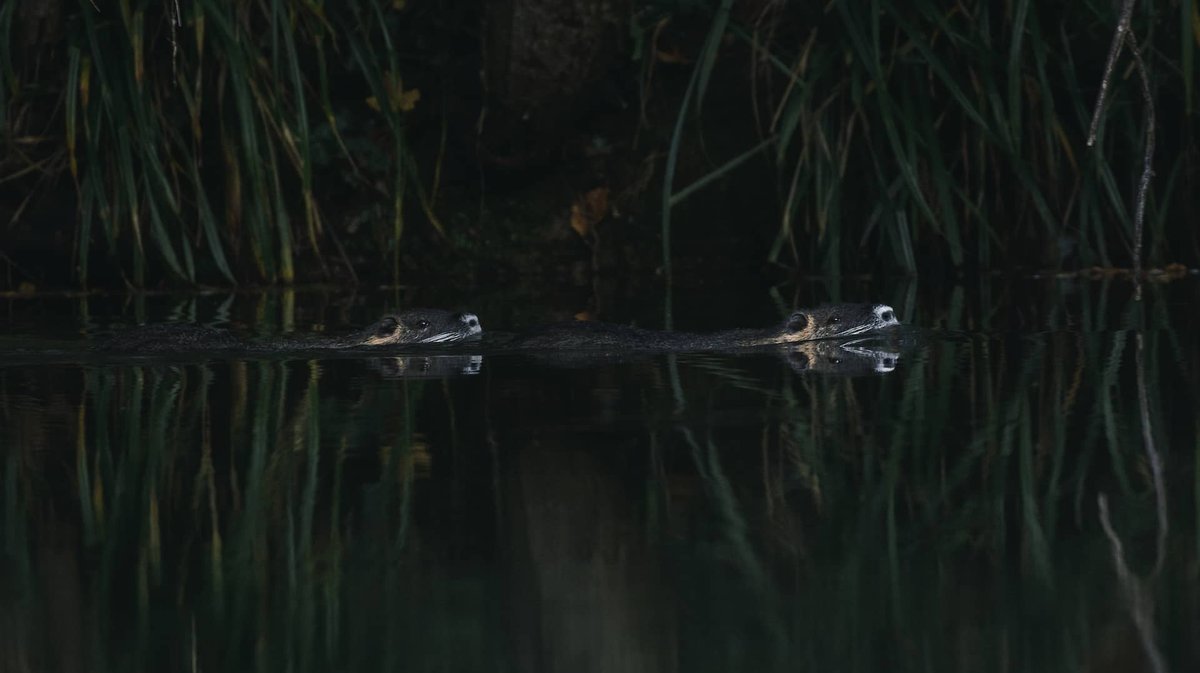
(417, 326)
(823, 322)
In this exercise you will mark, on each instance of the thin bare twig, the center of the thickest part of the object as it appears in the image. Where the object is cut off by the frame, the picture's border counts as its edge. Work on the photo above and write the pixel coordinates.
(176, 21)
(1139, 217)
(1123, 35)
(1114, 50)
(1132, 590)
(1156, 470)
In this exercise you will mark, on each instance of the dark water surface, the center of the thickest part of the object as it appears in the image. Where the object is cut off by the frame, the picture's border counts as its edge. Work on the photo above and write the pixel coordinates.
(672, 513)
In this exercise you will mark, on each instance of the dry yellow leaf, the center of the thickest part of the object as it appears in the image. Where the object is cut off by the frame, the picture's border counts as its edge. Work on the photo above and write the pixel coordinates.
(578, 221)
(671, 56)
(399, 100)
(405, 101)
(85, 80)
(589, 210)
(1196, 23)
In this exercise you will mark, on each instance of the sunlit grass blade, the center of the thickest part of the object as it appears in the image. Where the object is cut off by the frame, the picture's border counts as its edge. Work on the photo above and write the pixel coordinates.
(719, 172)
(209, 224)
(302, 124)
(708, 53)
(158, 232)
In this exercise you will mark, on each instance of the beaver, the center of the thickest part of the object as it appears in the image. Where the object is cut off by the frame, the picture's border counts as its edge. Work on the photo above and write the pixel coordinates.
(829, 321)
(416, 326)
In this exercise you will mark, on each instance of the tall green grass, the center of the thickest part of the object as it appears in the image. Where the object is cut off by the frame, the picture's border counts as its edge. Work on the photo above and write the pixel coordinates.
(903, 135)
(191, 129)
(955, 134)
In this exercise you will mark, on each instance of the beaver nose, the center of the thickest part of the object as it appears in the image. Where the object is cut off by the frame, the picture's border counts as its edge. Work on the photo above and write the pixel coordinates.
(468, 319)
(886, 314)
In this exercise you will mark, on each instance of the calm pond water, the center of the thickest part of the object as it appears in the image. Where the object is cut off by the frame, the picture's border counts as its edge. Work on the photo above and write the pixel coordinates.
(988, 504)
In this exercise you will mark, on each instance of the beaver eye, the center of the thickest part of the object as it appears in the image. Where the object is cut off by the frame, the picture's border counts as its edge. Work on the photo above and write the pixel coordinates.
(386, 326)
(833, 320)
(422, 324)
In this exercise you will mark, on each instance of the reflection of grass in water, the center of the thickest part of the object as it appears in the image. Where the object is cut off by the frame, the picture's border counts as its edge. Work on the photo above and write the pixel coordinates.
(192, 483)
(945, 509)
(932, 485)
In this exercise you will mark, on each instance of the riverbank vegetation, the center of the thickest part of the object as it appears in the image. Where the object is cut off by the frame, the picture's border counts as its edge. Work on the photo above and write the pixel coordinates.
(195, 142)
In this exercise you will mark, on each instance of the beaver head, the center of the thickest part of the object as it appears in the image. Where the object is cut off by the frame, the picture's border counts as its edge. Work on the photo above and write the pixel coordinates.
(421, 326)
(830, 321)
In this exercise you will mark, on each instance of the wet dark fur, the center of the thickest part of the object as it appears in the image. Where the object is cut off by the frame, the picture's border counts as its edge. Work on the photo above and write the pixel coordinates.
(172, 337)
(823, 322)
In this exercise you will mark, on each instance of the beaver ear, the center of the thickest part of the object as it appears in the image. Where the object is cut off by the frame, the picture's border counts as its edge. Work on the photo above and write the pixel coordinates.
(387, 326)
(797, 322)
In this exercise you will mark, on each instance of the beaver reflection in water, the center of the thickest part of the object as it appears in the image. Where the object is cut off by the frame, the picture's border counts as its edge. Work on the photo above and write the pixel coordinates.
(829, 321)
(417, 326)
(844, 357)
